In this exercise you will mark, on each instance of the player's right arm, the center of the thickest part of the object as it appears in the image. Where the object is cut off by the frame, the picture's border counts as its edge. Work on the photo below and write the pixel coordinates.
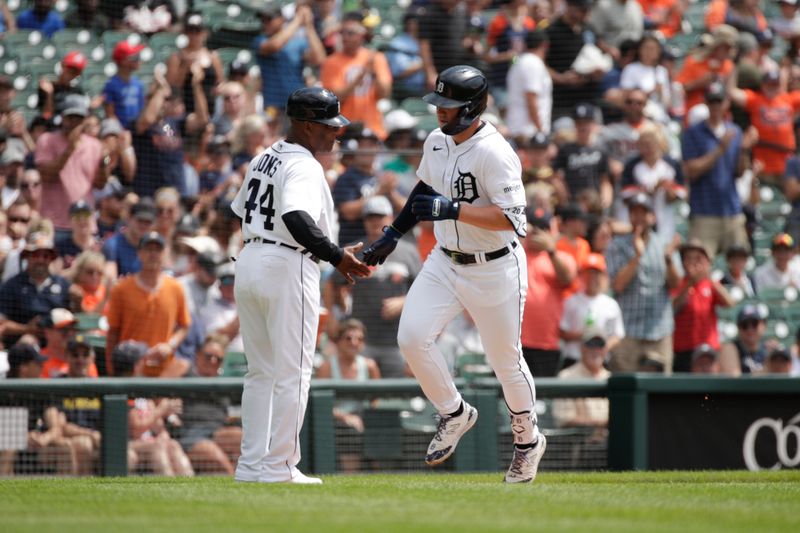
(378, 251)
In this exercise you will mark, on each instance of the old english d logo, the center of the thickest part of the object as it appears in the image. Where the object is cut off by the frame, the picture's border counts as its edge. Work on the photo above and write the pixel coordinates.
(466, 187)
(440, 87)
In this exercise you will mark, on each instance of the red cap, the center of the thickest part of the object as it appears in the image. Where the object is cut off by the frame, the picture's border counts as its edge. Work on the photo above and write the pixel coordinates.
(74, 59)
(124, 50)
(594, 262)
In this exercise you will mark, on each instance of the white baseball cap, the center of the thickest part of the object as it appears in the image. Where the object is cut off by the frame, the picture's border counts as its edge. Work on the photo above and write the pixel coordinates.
(377, 205)
(399, 119)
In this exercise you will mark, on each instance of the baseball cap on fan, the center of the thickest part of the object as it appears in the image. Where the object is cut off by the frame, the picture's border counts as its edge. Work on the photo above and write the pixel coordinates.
(377, 205)
(75, 105)
(59, 318)
(22, 353)
(126, 354)
(124, 49)
(594, 261)
(538, 218)
(195, 22)
(704, 350)
(152, 237)
(399, 120)
(74, 59)
(594, 337)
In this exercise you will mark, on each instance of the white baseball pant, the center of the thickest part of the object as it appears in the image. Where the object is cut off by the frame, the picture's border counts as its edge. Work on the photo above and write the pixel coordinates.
(494, 295)
(277, 296)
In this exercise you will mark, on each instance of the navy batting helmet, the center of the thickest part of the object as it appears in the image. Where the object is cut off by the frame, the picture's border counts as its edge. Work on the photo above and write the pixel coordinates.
(462, 87)
(315, 104)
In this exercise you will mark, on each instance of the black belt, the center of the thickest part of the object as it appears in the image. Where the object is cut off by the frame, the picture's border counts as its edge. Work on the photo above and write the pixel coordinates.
(461, 258)
(303, 251)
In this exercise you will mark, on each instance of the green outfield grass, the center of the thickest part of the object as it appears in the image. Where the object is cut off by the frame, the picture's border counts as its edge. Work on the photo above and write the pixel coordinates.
(441, 503)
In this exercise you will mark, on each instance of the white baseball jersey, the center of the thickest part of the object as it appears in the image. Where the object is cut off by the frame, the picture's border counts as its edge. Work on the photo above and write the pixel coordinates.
(481, 171)
(283, 178)
(277, 297)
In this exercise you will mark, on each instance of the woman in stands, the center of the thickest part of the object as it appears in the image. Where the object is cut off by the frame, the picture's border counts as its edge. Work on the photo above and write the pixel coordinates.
(179, 64)
(89, 289)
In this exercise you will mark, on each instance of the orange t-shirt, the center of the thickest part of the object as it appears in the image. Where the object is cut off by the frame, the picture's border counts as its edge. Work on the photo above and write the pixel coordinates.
(362, 104)
(426, 241)
(663, 10)
(774, 120)
(579, 251)
(147, 316)
(544, 303)
(91, 300)
(499, 24)
(55, 366)
(694, 68)
(715, 13)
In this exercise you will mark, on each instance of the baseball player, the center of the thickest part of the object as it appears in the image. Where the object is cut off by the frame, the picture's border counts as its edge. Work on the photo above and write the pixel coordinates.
(286, 210)
(471, 186)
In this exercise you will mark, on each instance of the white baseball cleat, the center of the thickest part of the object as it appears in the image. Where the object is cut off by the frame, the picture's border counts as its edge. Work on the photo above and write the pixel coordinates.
(525, 463)
(448, 433)
(302, 479)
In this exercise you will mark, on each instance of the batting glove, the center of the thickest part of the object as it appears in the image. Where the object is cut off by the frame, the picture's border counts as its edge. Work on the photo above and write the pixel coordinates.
(378, 251)
(437, 207)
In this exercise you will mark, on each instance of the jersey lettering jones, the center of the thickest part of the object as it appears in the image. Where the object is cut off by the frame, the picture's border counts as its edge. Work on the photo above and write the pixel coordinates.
(283, 178)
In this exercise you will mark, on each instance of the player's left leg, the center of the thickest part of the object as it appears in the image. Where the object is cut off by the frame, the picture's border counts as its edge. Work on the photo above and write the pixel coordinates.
(293, 368)
(431, 303)
(499, 325)
(263, 320)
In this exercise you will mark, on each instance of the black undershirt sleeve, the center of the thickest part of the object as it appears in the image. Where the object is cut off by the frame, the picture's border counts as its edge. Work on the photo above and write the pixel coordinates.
(309, 236)
(405, 219)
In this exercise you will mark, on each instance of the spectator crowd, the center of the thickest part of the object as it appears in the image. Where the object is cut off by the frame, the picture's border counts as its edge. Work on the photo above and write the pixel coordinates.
(659, 157)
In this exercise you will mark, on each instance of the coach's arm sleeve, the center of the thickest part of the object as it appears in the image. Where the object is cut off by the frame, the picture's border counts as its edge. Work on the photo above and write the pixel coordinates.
(309, 236)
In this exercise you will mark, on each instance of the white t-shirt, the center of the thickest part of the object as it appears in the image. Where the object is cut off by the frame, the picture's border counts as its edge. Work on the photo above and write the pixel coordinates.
(648, 79)
(582, 311)
(528, 74)
(768, 277)
(647, 178)
(483, 170)
(283, 178)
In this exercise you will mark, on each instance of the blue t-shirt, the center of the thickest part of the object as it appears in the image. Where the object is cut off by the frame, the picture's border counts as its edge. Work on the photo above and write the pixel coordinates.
(50, 24)
(21, 300)
(281, 72)
(118, 249)
(211, 178)
(352, 185)
(67, 249)
(714, 193)
(127, 98)
(401, 54)
(159, 157)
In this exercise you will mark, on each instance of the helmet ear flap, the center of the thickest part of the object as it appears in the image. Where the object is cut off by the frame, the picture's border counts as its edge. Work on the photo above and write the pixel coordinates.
(467, 114)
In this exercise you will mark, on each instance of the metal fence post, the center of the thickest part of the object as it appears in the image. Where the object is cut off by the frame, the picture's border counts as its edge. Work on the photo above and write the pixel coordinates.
(627, 424)
(477, 450)
(115, 435)
(323, 431)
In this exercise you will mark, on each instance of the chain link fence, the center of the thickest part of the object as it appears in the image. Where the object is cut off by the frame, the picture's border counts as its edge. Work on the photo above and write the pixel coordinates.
(193, 427)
